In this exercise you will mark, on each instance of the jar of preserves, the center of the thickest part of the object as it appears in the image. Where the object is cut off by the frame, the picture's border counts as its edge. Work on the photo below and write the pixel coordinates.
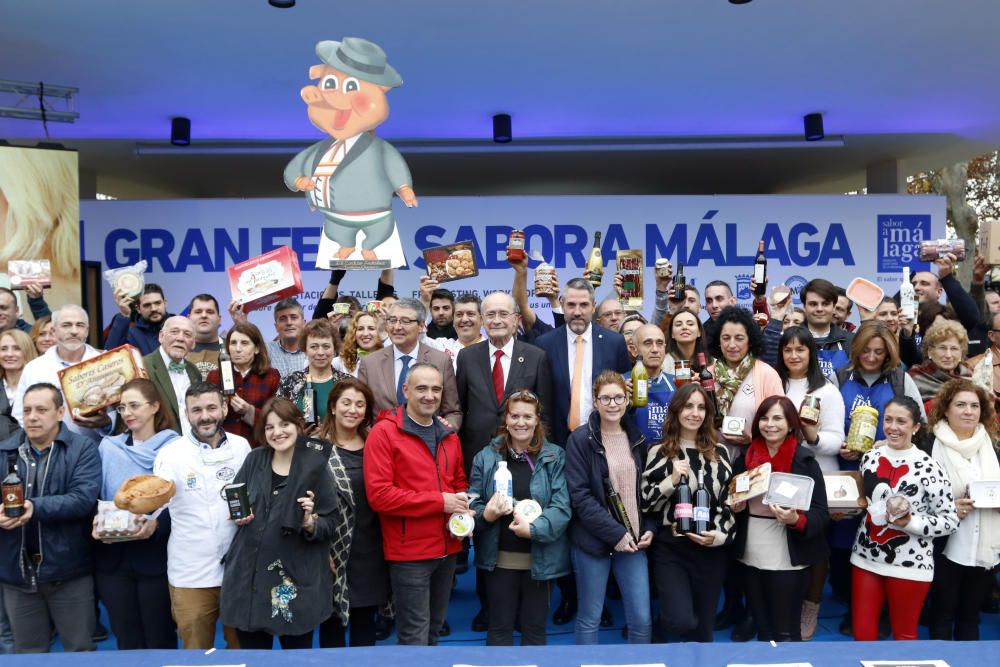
(864, 426)
(515, 246)
(809, 410)
(682, 373)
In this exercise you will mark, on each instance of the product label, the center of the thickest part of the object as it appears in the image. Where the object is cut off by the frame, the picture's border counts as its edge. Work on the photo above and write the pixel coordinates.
(641, 389)
(809, 414)
(506, 489)
(683, 511)
(743, 483)
(758, 273)
(701, 514)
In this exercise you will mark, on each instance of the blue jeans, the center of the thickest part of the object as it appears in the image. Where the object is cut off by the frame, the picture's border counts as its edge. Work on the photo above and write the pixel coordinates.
(632, 575)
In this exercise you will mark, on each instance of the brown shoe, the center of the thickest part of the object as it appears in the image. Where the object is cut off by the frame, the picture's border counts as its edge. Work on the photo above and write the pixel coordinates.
(810, 615)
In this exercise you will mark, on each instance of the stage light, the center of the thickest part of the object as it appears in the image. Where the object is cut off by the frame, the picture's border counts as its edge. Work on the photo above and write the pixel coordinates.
(501, 128)
(282, 4)
(813, 123)
(180, 131)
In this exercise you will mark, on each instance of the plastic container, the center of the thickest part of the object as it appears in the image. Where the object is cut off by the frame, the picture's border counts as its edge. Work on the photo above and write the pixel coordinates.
(865, 293)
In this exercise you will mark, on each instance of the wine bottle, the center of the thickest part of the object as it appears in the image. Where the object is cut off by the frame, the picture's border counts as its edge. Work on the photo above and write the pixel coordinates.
(226, 373)
(309, 403)
(595, 265)
(617, 508)
(760, 271)
(707, 383)
(702, 514)
(683, 509)
(680, 283)
(640, 384)
(907, 297)
(12, 490)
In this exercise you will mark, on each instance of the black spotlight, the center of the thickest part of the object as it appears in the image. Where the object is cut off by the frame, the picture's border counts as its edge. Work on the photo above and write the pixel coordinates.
(814, 126)
(282, 4)
(180, 131)
(501, 128)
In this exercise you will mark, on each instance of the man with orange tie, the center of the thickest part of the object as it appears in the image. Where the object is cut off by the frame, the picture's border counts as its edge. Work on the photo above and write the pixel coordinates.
(578, 351)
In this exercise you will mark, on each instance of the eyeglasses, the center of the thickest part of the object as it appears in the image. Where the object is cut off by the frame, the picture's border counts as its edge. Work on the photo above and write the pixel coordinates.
(131, 407)
(405, 321)
(617, 399)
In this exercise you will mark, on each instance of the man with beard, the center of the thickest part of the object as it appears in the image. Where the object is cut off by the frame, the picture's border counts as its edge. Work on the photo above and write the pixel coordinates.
(200, 465)
(72, 325)
(468, 325)
(169, 368)
(150, 314)
(204, 314)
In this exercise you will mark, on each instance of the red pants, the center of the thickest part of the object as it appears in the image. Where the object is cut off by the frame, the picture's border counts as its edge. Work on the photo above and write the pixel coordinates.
(869, 592)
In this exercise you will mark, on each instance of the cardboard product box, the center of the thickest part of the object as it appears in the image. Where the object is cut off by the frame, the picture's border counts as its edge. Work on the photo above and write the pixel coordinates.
(844, 492)
(92, 385)
(750, 484)
(989, 241)
(26, 272)
(266, 279)
(630, 267)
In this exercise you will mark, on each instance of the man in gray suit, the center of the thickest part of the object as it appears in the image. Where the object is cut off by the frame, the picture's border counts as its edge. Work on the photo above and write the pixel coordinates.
(384, 371)
(352, 176)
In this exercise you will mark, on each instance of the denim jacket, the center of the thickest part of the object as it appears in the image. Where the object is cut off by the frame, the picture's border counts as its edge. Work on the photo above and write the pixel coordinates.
(549, 541)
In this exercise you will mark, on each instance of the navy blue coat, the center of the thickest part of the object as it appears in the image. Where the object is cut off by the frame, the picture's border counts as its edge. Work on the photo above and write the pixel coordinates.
(610, 353)
(64, 502)
(140, 334)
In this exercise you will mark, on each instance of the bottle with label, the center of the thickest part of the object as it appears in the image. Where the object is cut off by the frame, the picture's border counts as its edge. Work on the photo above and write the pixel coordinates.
(760, 271)
(640, 384)
(595, 264)
(503, 482)
(683, 508)
(907, 297)
(707, 383)
(809, 410)
(617, 508)
(682, 373)
(702, 513)
(309, 403)
(12, 489)
(226, 373)
(515, 246)
(680, 283)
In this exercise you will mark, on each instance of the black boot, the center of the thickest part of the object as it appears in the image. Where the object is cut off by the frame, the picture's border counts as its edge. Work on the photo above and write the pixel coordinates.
(607, 620)
(564, 612)
(745, 630)
(383, 627)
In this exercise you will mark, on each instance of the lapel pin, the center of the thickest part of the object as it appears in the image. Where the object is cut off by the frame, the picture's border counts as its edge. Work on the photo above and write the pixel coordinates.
(520, 360)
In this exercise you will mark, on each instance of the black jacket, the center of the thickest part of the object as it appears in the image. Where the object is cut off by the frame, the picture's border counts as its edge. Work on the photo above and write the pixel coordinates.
(592, 528)
(804, 547)
(268, 561)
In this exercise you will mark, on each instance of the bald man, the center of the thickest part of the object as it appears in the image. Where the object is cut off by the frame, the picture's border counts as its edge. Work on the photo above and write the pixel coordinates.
(649, 343)
(169, 369)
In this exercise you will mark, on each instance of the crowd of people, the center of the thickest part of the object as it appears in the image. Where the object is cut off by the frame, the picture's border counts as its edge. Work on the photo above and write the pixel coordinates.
(371, 442)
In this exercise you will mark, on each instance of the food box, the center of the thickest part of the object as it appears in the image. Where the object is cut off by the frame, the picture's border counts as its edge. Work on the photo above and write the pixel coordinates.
(454, 261)
(749, 484)
(94, 384)
(265, 279)
(788, 490)
(630, 268)
(26, 272)
(933, 250)
(989, 240)
(844, 492)
(865, 293)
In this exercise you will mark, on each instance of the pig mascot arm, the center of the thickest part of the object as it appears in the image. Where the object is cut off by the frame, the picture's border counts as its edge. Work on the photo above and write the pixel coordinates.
(397, 172)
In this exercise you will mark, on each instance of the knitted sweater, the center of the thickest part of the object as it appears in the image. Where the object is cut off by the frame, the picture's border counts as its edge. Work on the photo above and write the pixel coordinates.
(657, 490)
(903, 553)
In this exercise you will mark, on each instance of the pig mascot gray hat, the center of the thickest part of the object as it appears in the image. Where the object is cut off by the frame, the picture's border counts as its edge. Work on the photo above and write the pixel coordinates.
(361, 58)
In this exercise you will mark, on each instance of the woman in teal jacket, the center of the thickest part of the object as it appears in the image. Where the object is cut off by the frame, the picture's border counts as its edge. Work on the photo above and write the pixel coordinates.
(521, 551)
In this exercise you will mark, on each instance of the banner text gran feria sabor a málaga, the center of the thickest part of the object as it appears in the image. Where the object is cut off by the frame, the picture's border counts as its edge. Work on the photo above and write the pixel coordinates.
(189, 243)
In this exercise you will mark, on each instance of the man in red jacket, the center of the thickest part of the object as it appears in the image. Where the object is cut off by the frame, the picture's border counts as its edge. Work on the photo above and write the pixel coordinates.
(415, 480)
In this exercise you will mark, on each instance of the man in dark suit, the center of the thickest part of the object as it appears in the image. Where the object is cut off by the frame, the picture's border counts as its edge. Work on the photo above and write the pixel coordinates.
(169, 369)
(578, 352)
(384, 371)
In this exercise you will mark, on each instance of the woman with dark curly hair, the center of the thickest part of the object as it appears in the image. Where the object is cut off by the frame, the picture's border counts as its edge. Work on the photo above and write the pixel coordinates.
(965, 431)
(742, 380)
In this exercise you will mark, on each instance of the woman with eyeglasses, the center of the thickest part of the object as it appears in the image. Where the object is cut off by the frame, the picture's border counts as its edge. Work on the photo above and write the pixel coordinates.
(604, 462)
(255, 379)
(777, 543)
(690, 567)
(131, 575)
(944, 346)
(965, 430)
(521, 556)
(310, 388)
(277, 580)
(361, 576)
(43, 333)
(685, 339)
(361, 338)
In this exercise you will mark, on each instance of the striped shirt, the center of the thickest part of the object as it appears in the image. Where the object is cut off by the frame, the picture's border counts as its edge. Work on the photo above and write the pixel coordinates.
(622, 471)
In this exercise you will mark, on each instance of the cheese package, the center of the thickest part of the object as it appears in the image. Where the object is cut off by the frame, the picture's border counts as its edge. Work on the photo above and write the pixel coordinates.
(844, 492)
(265, 279)
(630, 267)
(26, 272)
(94, 384)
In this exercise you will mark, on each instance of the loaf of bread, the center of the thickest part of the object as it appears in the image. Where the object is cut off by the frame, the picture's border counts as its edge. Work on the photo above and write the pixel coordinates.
(143, 494)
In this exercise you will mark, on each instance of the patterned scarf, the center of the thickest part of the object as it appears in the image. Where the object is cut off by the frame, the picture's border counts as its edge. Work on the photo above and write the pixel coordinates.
(728, 381)
(340, 544)
(929, 378)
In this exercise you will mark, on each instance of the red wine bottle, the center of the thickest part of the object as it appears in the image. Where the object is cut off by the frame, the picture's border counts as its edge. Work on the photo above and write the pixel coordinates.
(683, 509)
(707, 383)
(760, 271)
(702, 513)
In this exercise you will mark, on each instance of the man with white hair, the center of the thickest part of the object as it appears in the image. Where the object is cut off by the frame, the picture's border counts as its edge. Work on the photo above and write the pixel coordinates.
(72, 325)
(169, 368)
